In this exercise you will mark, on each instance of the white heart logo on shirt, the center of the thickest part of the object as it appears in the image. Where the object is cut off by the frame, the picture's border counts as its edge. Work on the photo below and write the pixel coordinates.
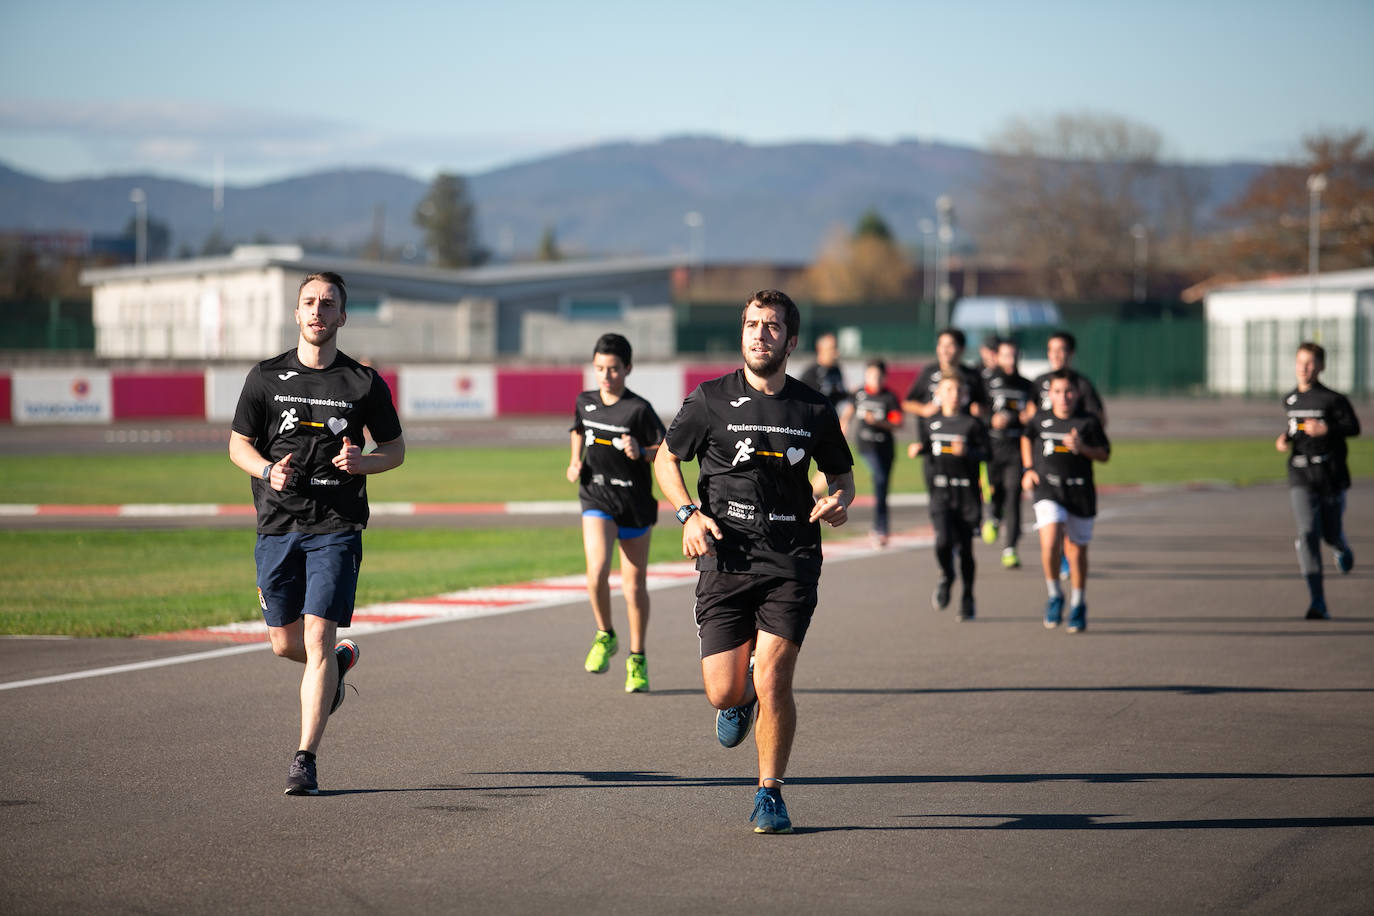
(795, 454)
(618, 442)
(336, 424)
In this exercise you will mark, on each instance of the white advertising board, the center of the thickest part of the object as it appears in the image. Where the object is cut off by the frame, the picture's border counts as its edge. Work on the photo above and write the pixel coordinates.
(661, 385)
(61, 396)
(447, 392)
(223, 384)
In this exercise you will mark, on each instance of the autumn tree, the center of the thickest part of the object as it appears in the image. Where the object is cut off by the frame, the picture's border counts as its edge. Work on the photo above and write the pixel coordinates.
(1273, 213)
(449, 220)
(865, 265)
(548, 246)
(1062, 195)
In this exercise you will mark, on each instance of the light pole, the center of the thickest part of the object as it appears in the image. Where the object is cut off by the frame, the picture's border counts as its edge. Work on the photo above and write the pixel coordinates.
(1315, 185)
(927, 260)
(696, 241)
(1142, 243)
(944, 211)
(140, 202)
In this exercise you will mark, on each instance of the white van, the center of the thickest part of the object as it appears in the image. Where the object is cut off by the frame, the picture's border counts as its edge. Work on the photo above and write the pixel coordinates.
(979, 316)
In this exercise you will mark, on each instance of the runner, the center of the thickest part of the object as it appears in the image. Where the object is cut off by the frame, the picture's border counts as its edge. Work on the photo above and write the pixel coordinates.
(954, 443)
(298, 431)
(827, 377)
(949, 349)
(1059, 351)
(613, 438)
(756, 533)
(1057, 455)
(1319, 422)
(879, 413)
(1008, 393)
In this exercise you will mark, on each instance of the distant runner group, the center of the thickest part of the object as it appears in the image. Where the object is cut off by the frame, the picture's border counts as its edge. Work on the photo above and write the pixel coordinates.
(753, 527)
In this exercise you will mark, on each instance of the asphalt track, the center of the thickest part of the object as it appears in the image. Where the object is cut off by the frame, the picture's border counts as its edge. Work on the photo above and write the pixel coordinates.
(1199, 749)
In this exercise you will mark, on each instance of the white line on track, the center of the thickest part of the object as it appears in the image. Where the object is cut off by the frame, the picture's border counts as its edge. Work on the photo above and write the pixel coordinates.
(134, 666)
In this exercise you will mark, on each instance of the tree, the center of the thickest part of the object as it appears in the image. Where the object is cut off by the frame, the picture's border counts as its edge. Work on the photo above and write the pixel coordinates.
(1273, 213)
(448, 218)
(548, 246)
(865, 266)
(1061, 196)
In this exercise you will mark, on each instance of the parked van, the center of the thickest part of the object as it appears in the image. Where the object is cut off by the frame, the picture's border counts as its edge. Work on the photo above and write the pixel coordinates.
(979, 316)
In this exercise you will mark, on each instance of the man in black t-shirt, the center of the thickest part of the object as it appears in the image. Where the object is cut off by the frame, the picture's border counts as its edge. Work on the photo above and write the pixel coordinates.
(1319, 422)
(825, 375)
(1007, 392)
(920, 397)
(755, 533)
(1057, 454)
(954, 444)
(298, 431)
(1059, 352)
(879, 413)
(613, 437)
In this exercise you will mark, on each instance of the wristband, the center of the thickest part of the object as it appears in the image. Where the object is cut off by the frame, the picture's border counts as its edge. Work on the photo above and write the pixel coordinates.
(1025, 469)
(685, 512)
(267, 471)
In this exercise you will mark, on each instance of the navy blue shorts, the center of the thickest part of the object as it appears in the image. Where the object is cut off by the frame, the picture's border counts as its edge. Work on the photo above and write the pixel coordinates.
(624, 532)
(731, 607)
(314, 574)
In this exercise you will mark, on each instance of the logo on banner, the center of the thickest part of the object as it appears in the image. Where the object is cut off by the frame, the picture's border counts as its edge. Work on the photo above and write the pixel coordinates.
(81, 388)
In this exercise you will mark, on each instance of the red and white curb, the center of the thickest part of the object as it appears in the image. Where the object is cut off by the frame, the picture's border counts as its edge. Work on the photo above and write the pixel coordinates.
(493, 601)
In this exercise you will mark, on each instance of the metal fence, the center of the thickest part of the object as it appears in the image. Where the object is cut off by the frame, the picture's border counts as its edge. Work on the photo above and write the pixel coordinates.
(1256, 357)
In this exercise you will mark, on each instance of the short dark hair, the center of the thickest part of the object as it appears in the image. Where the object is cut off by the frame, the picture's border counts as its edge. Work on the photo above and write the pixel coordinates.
(613, 345)
(1065, 373)
(776, 298)
(333, 279)
(991, 342)
(955, 334)
(1008, 342)
(1318, 353)
(879, 364)
(1068, 339)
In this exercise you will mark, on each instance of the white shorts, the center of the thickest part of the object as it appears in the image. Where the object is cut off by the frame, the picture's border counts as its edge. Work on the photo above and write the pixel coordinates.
(1077, 528)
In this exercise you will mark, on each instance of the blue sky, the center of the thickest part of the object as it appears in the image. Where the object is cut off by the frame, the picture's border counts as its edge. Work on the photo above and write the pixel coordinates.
(277, 89)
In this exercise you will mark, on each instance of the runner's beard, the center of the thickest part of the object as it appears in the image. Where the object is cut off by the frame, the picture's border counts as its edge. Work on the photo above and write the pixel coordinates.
(765, 366)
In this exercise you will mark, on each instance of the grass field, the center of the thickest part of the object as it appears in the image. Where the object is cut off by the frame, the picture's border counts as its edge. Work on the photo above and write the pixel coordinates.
(124, 583)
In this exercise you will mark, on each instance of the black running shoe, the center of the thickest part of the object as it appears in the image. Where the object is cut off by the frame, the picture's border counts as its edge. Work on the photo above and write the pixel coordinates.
(966, 608)
(940, 600)
(300, 779)
(1318, 612)
(346, 653)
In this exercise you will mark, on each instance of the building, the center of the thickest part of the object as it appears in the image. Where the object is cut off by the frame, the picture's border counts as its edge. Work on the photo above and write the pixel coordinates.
(240, 308)
(1254, 328)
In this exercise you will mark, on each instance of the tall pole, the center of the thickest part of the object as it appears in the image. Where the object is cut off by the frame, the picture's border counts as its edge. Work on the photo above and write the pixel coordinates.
(927, 260)
(944, 211)
(1315, 185)
(696, 242)
(140, 202)
(1142, 241)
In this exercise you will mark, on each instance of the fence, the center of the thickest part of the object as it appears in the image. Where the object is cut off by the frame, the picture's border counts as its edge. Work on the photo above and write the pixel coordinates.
(1256, 357)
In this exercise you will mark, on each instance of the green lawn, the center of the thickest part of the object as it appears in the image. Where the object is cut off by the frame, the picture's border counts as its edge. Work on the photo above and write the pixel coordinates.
(122, 583)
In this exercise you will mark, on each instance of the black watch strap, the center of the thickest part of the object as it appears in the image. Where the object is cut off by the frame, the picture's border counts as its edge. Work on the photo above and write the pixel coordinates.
(685, 512)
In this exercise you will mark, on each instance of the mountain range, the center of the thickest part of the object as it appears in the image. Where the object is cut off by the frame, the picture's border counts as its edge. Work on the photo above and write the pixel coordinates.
(775, 202)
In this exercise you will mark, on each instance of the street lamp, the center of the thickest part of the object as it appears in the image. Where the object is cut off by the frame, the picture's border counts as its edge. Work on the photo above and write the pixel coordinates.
(927, 260)
(944, 211)
(1142, 243)
(140, 202)
(1315, 185)
(696, 241)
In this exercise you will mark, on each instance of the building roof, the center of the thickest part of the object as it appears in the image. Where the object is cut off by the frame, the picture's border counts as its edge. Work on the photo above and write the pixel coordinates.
(360, 272)
(1349, 280)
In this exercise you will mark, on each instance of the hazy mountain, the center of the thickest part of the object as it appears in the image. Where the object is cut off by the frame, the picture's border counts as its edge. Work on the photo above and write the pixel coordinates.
(758, 202)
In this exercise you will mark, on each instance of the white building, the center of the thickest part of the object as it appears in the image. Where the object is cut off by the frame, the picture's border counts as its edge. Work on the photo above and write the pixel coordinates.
(240, 308)
(1254, 328)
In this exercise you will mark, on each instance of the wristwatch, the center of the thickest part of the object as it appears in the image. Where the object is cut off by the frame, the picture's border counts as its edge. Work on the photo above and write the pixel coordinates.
(267, 470)
(685, 512)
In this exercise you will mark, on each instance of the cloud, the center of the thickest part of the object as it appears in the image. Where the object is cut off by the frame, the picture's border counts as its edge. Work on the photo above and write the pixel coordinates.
(184, 138)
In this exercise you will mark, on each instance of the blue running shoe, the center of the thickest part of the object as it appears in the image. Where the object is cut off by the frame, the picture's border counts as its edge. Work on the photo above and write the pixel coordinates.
(1345, 559)
(1078, 619)
(733, 724)
(1054, 610)
(770, 812)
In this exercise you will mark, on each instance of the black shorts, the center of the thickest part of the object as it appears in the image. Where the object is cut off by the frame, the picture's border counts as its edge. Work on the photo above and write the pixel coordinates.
(731, 607)
(313, 574)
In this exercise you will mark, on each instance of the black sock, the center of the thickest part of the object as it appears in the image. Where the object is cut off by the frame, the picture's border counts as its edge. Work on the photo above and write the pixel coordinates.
(308, 755)
(1314, 588)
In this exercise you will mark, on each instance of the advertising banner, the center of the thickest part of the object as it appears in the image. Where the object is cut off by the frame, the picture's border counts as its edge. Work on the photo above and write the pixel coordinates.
(446, 392)
(61, 396)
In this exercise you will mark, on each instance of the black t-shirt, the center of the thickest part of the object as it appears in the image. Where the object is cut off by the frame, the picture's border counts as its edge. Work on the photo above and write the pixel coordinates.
(1009, 394)
(618, 485)
(286, 407)
(828, 380)
(754, 451)
(883, 405)
(953, 479)
(1065, 477)
(1319, 462)
(1088, 399)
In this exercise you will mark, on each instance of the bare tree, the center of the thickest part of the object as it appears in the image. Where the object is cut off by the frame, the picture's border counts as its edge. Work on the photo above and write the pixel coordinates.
(1062, 196)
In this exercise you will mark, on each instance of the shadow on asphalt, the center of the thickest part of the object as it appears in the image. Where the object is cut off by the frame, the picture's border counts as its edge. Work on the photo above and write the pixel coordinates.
(1091, 822)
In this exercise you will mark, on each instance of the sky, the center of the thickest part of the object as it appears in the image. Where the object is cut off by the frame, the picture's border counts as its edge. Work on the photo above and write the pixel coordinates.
(272, 90)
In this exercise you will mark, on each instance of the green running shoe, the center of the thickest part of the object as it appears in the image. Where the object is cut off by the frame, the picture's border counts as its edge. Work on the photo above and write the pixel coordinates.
(1009, 558)
(636, 673)
(603, 647)
(990, 531)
